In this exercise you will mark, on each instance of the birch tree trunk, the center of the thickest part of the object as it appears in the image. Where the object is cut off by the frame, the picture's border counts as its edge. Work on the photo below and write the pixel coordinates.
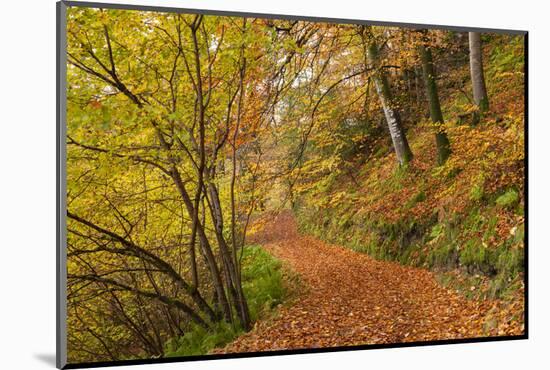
(400, 143)
(476, 71)
(428, 71)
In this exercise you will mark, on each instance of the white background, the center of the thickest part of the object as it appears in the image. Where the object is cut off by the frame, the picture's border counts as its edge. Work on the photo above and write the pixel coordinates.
(27, 183)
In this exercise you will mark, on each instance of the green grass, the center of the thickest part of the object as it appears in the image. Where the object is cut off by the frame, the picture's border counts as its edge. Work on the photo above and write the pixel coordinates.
(199, 341)
(263, 286)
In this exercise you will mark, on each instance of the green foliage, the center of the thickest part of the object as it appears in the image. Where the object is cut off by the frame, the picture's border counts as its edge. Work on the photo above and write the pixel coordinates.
(475, 220)
(441, 256)
(395, 182)
(508, 199)
(199, 341)
(449, 170)
(476, 193)
(437, 231)
(505, 57)
(417, 198)
(474, 255)
(478, 190)
(509, 261)
(264, 289)
(262, 281)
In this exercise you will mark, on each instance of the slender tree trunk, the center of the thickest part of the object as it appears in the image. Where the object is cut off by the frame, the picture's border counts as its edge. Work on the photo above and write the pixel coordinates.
(400, 143)
(428, 71)
(230, 266)
(417, 86)
(242, 304)
(476, 70)
(231, 272)
(205, 245)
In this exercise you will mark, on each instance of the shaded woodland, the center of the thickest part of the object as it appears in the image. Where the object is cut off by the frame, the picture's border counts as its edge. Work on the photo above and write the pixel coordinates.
(189, 134)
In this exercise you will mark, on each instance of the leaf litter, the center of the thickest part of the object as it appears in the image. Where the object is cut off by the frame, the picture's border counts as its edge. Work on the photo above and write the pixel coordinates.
(353, 299)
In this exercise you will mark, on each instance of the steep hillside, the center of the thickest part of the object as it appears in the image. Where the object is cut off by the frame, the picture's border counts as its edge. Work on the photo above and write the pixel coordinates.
(464, 219)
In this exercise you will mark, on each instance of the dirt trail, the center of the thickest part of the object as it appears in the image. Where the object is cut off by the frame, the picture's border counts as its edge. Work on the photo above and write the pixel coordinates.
(353, 299)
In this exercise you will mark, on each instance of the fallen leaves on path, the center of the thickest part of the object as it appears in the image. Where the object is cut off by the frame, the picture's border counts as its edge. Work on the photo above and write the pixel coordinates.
(353, 299)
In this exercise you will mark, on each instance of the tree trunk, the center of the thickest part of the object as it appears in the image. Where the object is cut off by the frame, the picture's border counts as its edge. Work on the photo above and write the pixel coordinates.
(476, 70)
(417, 86)
(230, 269)
(428, 71)
(205, 246)
(400, 143)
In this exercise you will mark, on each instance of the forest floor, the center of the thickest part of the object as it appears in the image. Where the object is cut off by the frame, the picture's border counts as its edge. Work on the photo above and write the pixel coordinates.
(350, 298)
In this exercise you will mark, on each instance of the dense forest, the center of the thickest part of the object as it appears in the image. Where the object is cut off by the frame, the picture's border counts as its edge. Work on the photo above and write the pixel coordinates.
(246, 184)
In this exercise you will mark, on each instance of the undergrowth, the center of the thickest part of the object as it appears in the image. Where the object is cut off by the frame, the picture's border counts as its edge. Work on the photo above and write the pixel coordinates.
(264, 285)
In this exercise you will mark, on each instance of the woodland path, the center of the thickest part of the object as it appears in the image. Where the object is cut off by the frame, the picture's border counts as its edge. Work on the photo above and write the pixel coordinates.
(352, 299)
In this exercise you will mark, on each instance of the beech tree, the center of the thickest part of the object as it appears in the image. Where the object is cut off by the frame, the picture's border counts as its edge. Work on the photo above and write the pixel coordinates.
(382, 85)
(149, 132)
(428, 70)
(476, 70)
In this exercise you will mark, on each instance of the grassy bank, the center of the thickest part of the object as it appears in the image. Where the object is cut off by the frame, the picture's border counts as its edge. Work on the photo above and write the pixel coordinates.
(468, 244)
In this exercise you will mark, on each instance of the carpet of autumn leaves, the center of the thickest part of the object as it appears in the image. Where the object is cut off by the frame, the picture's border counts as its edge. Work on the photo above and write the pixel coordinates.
(350, 299)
